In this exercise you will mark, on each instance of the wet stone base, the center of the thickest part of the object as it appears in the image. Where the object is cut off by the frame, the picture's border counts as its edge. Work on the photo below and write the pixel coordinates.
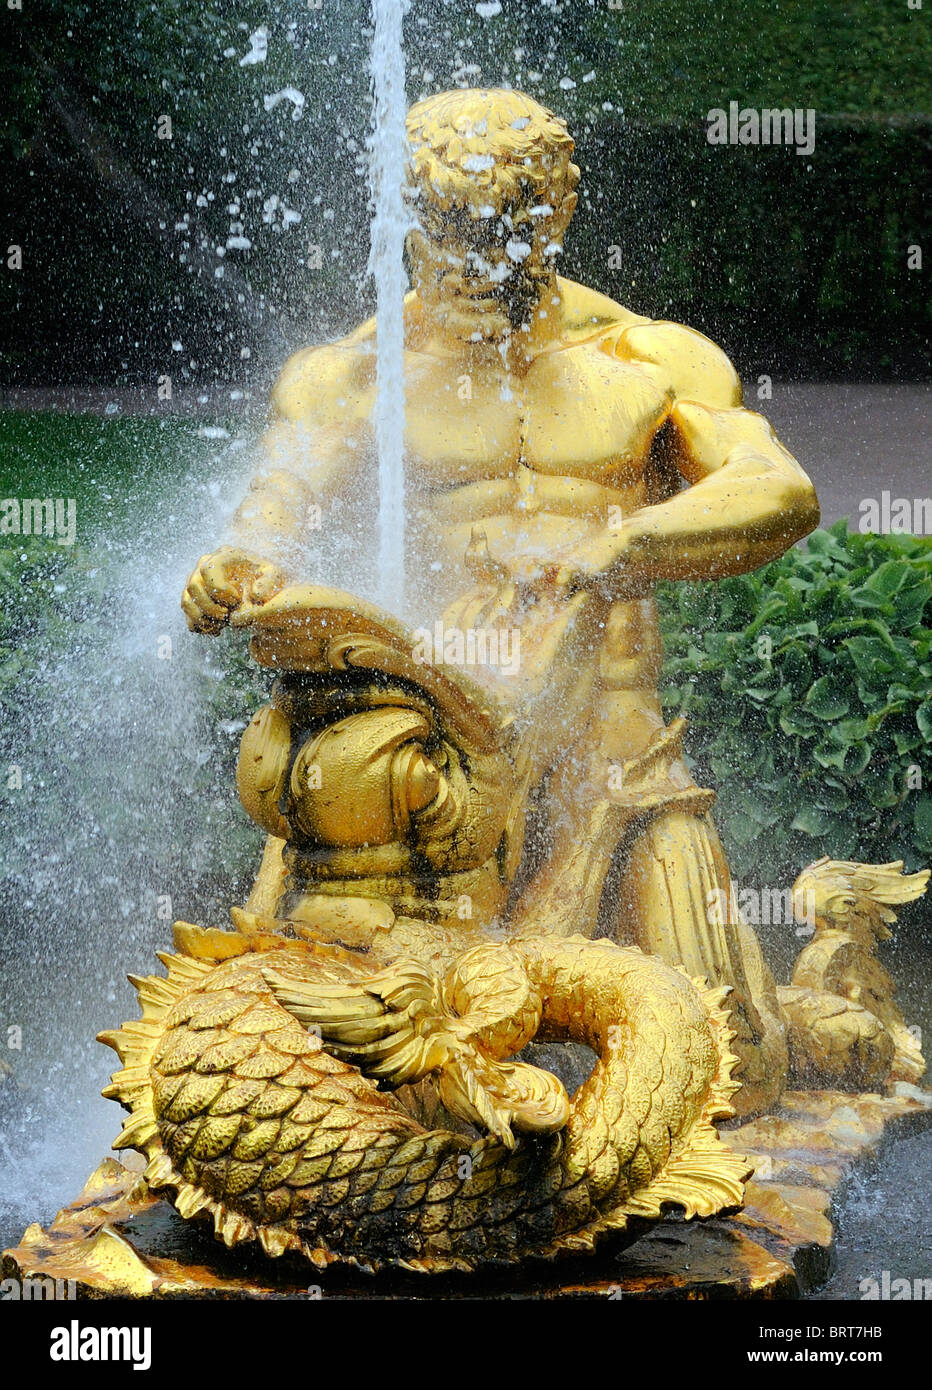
(118, 1239)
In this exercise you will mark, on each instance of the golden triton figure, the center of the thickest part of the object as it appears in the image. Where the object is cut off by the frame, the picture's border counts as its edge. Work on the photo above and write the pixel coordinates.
(339, 1075)
(568, 453)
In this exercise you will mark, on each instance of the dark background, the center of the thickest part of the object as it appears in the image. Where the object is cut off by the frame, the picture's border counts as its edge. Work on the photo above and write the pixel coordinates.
(798, 266)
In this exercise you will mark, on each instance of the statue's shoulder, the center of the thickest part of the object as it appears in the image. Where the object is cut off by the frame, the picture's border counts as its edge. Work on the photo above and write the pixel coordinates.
(312, 377)
(691, 367)
(586, 314)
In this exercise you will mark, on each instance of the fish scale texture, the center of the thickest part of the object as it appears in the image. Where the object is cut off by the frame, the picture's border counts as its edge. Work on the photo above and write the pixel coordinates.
(252, 1119)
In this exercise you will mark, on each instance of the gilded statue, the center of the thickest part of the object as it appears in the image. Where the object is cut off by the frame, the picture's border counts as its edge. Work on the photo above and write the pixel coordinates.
(461, 863)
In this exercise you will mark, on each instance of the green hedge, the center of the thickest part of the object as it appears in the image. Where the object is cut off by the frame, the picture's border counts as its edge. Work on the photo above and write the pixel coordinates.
(796, 266)
(808, 687)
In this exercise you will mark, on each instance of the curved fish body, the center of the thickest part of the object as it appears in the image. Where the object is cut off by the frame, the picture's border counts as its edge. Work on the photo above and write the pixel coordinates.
(253, 1119)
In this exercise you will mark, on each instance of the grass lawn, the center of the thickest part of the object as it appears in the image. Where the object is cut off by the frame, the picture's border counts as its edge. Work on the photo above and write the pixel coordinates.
(108, 464)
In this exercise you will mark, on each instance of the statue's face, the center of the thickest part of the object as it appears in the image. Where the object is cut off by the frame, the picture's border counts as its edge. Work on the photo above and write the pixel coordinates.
(486, 270)
(490, 185)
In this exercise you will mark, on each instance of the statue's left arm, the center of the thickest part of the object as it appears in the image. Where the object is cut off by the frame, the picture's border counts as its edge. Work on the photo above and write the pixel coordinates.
(748, 499)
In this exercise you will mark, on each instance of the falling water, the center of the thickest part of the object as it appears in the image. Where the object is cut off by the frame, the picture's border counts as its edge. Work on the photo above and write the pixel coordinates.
(127, 761)
(127, 777)
(386, 265)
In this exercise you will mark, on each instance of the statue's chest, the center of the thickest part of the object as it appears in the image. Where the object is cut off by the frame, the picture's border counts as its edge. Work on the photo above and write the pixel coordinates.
(574, 414)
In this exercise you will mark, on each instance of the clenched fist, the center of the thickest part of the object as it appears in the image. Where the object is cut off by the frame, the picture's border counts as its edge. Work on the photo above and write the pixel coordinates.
(224, 580)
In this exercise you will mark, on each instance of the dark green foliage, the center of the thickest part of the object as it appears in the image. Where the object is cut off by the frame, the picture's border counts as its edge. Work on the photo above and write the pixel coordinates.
(795, 265)
(120, 228)
(808, 687)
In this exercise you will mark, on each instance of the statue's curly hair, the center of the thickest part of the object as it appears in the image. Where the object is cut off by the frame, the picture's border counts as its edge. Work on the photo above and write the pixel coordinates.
(488, 148)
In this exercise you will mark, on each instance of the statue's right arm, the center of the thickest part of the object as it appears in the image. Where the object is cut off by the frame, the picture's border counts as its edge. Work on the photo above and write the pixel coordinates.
(307, 458)
(310, 452)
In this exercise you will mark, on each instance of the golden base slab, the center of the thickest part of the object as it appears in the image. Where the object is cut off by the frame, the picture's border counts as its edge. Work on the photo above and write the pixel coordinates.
(118, 1239)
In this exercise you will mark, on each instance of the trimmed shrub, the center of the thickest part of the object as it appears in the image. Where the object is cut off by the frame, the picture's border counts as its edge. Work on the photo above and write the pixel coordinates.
(808, 687)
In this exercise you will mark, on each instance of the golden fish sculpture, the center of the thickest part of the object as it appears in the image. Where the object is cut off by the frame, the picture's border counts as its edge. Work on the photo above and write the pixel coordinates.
(257, 1091)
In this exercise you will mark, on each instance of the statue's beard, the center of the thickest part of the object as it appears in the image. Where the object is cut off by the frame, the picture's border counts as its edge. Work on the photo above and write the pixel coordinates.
(525, 291)
(483, 305)
(495, 310)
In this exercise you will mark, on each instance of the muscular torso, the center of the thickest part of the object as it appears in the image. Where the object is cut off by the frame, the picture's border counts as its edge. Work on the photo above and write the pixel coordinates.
(539, 460)
(535, 462)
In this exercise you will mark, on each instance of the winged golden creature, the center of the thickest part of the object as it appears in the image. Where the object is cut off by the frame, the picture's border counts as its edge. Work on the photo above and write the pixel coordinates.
(407, 1022)
(844, 1023)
